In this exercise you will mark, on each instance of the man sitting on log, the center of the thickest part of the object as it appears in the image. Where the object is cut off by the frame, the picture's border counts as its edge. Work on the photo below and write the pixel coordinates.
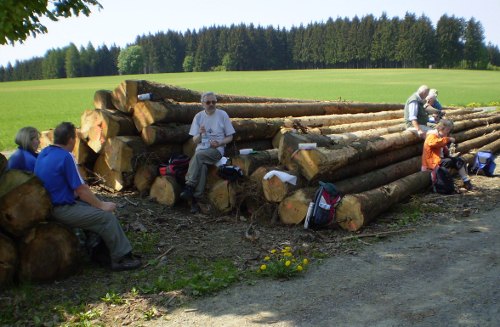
(436, 147)
(211, 130)
(74, 204)
(416, 116)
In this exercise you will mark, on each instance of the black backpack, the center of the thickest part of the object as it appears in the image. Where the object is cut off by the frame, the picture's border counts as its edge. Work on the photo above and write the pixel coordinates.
(442, 181)
(177, 166)
(321, 212)
(229, 173)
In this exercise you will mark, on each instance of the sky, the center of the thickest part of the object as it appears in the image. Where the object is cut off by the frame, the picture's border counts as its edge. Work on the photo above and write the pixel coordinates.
(120, 21)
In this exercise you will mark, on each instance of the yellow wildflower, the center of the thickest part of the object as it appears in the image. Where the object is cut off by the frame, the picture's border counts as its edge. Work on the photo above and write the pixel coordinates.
(287, 254)
(305, 261)
(288, 249)
(267, 258)
(288, 263)
(263, 267)
(299, 268)
(273, 251)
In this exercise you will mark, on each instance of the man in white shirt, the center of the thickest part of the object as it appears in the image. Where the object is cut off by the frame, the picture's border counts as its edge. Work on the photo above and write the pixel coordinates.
(211, 130)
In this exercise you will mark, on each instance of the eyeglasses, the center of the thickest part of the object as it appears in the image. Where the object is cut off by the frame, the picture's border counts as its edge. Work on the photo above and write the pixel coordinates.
(210, 102)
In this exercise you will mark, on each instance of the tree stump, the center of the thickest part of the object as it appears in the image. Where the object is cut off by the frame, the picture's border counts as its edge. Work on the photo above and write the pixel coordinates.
(24, 202)
(48, 252)
(222, 196)
(8, 261)
(165, 190)
(292, 210)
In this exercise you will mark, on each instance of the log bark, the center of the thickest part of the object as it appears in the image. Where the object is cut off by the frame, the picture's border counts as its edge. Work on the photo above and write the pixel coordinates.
(144, 178)
(380, 176)
(24, 202)
(292, 210)
(8, 261)
(122, 152)
(165, 133)
(357, 210)
(470, 123)
(125, 95)
(475, 132)
(165, 190)
(275, 190)
(478, 142)
(250, 162)
(347, 138)
(222, 196)
(99, 125)
(372, 163)
(353, 127)
(114, 180)
(316, 162)
(50, 251)
(103, 100)
(160, 153)
(329, 120)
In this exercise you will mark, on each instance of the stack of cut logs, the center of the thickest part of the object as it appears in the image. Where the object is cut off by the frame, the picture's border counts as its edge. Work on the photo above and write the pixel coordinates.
(362, 148)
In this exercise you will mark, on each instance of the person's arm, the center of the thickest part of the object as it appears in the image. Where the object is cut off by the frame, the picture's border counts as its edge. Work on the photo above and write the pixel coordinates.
(85, 194)
(430, 109)
(215, 144)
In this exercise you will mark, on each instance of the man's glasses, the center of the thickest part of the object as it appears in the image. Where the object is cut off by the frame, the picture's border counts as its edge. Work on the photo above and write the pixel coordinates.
(210, 102)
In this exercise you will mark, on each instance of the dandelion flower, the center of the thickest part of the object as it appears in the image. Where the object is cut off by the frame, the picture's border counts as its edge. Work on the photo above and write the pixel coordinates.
(267, 258)
(305, 261)
(287, 248)
(263, 267)
(299, 268)
(273, 251)
(288, 263)
(287, 254)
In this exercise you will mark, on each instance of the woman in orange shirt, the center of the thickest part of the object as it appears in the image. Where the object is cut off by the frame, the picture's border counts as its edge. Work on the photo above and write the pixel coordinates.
(436, 146)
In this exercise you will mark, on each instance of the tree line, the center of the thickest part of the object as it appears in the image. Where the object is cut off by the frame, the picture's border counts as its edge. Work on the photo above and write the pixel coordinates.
(369, 42)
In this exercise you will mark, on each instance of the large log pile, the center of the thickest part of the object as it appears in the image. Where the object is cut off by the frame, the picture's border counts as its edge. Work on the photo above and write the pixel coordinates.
(362, 147)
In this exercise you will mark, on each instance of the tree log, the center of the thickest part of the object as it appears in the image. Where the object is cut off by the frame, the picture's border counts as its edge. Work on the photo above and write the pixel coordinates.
(46, 138)
(347, 138)
(144, 178)
(379, 177)
(222, 196)
(50, 251)
(357, 210)
(469, 123)
(160, 153)
(24, 202)
(121, 152)
(353, 127)
(99, 125)
(165, 133)
(290, 144)
(8, 261)
(103, 100)
(292, 210)
(275, 190)
(315, 162)
(365, 166)
(165, 190)
(115, 180)
(478, 142)
(250, 162)
(475, 132)
(83, 154)
(125, 95)
(329, 120)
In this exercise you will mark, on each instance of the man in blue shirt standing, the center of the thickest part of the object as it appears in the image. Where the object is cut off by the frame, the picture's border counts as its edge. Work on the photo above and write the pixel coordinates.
(74, 204)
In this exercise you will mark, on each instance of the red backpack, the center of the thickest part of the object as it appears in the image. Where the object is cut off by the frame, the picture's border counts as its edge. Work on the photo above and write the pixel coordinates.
(177, 166)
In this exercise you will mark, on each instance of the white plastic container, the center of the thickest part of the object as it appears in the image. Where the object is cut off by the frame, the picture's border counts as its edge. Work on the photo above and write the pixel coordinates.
(246, 151)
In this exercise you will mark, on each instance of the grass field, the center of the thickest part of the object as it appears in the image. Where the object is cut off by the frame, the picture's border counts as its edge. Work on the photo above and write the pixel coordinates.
(43, 104)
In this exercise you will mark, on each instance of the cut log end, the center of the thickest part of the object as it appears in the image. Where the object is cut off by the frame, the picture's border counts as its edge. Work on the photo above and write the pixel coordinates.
(349, 209)
(165, 190)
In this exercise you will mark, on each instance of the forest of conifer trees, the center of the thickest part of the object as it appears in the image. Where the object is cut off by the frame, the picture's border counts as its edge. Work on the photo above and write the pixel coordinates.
(369, 42)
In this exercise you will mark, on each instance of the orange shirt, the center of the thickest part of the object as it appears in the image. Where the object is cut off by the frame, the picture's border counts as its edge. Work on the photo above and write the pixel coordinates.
(431, 156)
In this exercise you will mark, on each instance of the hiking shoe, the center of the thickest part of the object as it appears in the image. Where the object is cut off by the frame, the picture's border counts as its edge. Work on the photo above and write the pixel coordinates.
(187, 193)
(468, 185)
(195, 208)
(127, 262)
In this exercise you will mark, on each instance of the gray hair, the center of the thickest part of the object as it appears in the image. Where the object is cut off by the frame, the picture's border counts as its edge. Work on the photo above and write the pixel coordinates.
(423, 90)
(24, 137)
(433, 91)
(431, 96)
(207, 94)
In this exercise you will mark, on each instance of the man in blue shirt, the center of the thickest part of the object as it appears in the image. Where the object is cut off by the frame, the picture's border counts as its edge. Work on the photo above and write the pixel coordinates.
(74, 204)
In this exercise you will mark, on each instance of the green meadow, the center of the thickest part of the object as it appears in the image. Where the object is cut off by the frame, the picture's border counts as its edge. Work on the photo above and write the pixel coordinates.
(43, 104)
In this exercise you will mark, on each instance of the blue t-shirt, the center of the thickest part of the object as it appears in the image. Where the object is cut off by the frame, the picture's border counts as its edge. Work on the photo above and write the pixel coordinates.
(23, 160)
(57, 169)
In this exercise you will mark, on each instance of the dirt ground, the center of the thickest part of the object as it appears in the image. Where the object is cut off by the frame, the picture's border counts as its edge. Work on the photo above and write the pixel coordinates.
(442, 271)
(434, 262)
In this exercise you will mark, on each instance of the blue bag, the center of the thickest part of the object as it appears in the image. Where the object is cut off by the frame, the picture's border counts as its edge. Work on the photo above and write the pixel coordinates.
(484, 161)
